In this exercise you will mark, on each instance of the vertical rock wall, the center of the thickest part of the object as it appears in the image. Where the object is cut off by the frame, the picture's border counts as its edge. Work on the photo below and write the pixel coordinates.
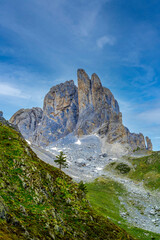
(60, 113)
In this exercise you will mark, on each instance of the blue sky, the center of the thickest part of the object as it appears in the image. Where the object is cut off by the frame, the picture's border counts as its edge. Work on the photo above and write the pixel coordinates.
(44, 42)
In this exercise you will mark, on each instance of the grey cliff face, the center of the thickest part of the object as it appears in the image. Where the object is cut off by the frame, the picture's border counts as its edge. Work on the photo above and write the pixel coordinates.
(90, 108)
(115, 132)
(96, 104)
(60, 113)
(149, 144)
(27, 121)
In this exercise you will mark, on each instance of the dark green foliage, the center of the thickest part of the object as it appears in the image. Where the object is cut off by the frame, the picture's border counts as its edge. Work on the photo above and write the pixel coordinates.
(61, 160)
(39, 201)
(82, 187)
(123, 168)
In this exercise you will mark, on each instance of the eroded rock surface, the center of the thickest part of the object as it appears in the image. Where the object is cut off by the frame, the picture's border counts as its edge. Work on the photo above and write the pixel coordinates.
(27, 121)
(149, 143)
(60, 113)
(96, 103)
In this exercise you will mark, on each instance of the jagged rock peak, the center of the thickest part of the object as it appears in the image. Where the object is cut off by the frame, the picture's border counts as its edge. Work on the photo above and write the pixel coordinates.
(90, 108)
(96, 104)
(149, 144)
(27, 120)
(60, 113)
(95, 81)
(62, 85)
(81, 74)
(84, 89)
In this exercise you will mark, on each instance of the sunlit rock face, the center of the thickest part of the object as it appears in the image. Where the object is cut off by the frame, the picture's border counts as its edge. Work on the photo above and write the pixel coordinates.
(60, 113)
(90, 108)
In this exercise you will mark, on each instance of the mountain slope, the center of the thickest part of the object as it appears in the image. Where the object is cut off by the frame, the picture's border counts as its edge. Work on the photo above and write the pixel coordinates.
(38, 201)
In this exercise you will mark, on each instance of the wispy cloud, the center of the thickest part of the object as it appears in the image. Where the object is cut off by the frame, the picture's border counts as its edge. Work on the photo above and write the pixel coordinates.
(151, 116)
(7, 89)
(88, 17)
(102, 41)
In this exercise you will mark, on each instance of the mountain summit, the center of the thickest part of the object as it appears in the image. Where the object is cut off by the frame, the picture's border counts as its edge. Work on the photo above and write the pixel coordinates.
(88, 109)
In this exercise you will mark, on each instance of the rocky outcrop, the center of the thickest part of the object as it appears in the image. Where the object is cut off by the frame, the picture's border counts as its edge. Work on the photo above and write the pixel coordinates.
(96, 103)
(27, 121)
(90, 108)
(60, 113)
(149, 144)
(113, 131)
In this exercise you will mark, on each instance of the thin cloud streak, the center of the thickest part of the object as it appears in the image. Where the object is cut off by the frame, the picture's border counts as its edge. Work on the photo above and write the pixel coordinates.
(8, 90)
(151, 116)
(105, 40)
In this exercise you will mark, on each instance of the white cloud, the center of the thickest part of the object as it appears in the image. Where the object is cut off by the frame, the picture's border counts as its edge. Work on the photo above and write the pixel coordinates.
(151, 116)
(102, 41)
(8, 90)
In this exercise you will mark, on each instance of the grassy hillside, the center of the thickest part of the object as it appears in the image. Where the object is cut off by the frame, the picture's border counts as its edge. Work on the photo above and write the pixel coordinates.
(104, 195)
(147, 169)
(38, 201)
(144, 169)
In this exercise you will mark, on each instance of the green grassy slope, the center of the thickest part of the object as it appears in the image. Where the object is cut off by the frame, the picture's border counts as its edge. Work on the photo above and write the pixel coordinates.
(144, 169)
(38, 201)
(147, 169)
(103, 195)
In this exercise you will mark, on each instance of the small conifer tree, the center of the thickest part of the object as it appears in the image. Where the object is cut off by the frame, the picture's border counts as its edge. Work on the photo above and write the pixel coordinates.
(61, 160)
(83, 187)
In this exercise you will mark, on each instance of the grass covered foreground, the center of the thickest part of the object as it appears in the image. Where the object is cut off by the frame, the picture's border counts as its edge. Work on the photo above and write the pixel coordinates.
(38, 201)
(104, 195)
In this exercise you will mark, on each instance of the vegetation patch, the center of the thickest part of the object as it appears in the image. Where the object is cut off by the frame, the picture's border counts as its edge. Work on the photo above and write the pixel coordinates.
(104, 195)
(147, 169)
(39, 201)
(123, 168)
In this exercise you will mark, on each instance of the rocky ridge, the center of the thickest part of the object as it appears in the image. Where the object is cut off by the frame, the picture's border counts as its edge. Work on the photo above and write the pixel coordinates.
(88, 109)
